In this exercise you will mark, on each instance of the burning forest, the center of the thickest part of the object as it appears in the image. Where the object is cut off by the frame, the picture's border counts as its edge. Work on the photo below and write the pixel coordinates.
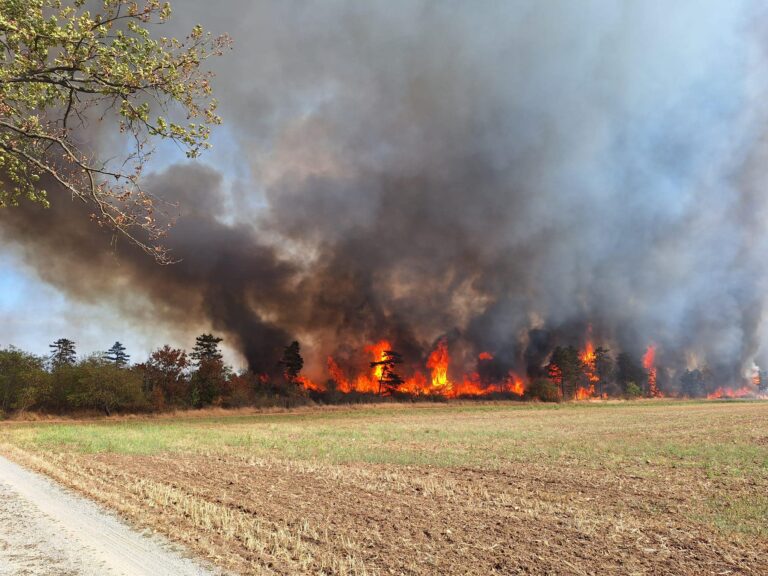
(569, 373)
(550, 222)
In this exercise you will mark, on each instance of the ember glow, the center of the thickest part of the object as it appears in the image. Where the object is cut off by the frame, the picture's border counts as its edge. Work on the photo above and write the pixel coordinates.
(589, 361)
(437, 376)
(649, 363)
(470, 220)
(516, 384)
(437, 363)
(439, 382)
(743, 392)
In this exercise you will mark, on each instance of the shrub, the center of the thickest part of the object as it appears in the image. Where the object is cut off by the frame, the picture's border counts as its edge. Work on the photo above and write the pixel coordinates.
(102, 385)
(23, 380)
(633, 391)
(543, 389)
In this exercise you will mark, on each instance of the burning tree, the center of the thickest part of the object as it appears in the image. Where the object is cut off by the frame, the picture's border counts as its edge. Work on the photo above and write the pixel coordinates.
(389, 380)
(566, 369)
(604, 368)
(649, 363)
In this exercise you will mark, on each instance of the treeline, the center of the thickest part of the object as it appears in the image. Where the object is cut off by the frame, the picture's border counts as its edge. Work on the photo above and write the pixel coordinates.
(599, 371)
(169, 379)
(623, 376)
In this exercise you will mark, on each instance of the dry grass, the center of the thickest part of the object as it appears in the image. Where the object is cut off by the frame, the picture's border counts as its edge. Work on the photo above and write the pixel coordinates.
(635, 488)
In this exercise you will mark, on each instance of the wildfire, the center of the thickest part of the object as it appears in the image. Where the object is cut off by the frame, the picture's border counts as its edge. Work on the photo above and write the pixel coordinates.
(731, 393)
(556, 374)
(366, 382)
(515, 384)
(437, 363)
(378, 351)
(309, 384)
(589, 360)
(649, 363)
(435, 379)
(584, 393)
(469, 386)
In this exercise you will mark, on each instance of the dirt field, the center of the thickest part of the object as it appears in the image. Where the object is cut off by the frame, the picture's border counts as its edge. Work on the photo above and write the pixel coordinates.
(48, 531)
(625, 488)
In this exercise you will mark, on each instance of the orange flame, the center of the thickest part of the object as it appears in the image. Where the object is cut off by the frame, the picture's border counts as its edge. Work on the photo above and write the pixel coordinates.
(309, 384)
(437, 363)
(515, 384)
(342, 383)
(437, 383)
(589, 360)
(378, 351)
(649, 363)
(584, 393)
(731, 393)
(469, 386)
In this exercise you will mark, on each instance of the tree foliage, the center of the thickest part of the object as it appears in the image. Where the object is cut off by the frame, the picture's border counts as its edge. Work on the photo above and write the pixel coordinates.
(567, 370)
(206, 348)
(292, 362)
(64, 67)
(389, 379)
(695, 383)
(629, 370)
(604, 369)
(102, 385)
(117, 355)
(63, 353)
(165, 377)
(23, 380)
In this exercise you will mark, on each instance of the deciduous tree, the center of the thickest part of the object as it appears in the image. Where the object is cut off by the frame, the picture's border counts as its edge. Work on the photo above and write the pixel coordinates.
(166, 378)
(23, 380)
(104, 386)
(65, 65)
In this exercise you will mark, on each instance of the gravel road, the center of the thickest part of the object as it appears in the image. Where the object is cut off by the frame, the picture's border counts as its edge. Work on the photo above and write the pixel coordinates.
(48, 531)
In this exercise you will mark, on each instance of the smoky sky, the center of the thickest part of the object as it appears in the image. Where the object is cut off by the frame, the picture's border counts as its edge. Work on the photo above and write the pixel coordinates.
(480, 171)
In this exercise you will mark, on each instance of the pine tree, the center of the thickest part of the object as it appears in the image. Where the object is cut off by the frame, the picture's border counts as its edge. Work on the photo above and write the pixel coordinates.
(389, 380)
(604, 368)
(566, 370)
(117, 355)
(206, 348)
(292, 362)
(208, 381)
(64, 353)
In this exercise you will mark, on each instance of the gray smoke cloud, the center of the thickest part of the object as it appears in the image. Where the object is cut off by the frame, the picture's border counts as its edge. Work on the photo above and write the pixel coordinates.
(409, 170)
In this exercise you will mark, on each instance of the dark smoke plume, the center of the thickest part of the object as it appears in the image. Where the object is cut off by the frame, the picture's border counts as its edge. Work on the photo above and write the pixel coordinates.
(506, 174)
